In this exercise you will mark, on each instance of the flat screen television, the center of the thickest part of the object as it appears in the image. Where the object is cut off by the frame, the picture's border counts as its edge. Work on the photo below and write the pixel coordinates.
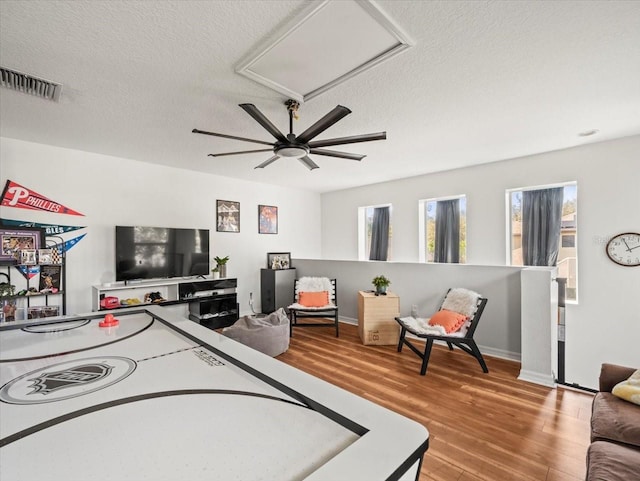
(160, 252)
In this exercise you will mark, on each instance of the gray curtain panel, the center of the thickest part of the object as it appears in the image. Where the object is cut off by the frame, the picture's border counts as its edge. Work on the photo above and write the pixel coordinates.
(379, 234)
(447, 246)
(541, 222)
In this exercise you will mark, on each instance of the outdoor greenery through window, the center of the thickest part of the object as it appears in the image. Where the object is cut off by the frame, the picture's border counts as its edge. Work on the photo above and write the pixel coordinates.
(438, 236)
(567, 260)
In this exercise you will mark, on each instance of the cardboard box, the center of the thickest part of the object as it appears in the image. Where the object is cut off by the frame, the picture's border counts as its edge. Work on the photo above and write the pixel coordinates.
(376, 318)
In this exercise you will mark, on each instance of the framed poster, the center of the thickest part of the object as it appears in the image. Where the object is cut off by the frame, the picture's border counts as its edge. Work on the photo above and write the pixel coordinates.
(227, 216)
(50, 278)
(14, 240)
(267, 219)
(279, 260)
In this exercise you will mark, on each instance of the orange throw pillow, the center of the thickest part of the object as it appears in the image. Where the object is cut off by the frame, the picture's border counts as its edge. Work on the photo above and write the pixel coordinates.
(451, 321)
(313, 299)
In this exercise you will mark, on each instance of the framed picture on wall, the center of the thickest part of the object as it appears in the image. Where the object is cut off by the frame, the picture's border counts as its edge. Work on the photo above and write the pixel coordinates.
(267, 219)
(14, 240)
(279, 260)
(227, 216)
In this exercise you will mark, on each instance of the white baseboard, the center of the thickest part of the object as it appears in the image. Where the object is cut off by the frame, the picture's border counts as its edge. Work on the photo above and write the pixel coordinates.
(537, 378)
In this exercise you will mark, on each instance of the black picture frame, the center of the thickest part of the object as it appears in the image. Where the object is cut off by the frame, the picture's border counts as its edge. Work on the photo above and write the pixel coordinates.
(267, 219)
(227, 216)
(15, 239)
(279, 260)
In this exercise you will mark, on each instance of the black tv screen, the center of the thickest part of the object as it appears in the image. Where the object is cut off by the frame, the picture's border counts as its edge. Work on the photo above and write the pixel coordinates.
(159, 252)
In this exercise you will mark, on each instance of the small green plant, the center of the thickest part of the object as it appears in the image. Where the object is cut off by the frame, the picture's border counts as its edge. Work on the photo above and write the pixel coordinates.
(221, 260)
(380, 282)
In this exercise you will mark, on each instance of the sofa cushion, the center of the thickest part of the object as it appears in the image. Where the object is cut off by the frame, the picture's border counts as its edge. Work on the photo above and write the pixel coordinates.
(612, 462)
(615, 420)
(629, 389)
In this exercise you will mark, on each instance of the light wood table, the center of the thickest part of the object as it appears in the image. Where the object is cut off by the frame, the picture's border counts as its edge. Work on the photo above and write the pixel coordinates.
(376, 318)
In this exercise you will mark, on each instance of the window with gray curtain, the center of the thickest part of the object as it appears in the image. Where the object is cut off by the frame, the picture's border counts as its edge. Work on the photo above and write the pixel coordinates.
(447, 235)
(541, 223)
(380, 234)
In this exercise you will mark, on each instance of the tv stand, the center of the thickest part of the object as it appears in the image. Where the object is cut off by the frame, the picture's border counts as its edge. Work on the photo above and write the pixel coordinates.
(211, 302)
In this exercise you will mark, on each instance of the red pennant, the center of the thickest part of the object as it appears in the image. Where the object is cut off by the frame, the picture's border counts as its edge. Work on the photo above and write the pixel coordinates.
(15, 195)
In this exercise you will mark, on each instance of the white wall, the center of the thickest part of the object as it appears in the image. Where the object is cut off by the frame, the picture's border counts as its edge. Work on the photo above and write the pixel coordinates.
(113, 191)
(605, 323)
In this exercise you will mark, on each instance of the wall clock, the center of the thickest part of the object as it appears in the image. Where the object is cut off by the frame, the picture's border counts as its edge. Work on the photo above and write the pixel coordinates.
(624, 249)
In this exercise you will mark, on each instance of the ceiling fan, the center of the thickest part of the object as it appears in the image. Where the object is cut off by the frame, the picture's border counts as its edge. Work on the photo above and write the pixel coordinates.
(298, 147)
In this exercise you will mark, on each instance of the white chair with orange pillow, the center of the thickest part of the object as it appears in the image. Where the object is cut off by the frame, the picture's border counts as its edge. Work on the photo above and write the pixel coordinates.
(455, 323)
(315, 297)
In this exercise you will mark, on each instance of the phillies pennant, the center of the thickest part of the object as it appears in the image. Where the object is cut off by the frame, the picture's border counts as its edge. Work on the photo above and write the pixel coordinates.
(28, 271)
(15, 195)
(49, 229)
(67, 244)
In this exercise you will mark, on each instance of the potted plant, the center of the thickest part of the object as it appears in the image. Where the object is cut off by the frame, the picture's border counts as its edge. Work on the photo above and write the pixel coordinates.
(381, 283)
(221, 265)
(215, 272)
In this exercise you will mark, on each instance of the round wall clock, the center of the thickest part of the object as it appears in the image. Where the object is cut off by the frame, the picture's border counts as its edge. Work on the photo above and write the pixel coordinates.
(624, 249)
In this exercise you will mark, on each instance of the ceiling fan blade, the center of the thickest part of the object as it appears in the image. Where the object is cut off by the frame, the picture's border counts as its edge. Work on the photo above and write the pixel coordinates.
(267, 162)
(308, 162)
(323, 124)
(262, 120)
(196, 131)
(241, 152)
(348, 140)
(335, 153)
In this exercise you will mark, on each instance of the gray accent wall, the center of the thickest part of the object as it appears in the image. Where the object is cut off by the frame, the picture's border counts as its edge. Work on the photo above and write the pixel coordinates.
(424, 285)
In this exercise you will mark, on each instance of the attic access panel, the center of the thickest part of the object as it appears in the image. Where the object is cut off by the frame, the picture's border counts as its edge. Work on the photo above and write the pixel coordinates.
(325, 45)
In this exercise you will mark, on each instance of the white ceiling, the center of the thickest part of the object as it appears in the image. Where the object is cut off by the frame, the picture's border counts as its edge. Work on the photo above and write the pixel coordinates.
(485, 81)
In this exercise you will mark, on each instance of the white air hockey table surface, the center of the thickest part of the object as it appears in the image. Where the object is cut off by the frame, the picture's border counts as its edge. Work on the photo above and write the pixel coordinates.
(160, 397)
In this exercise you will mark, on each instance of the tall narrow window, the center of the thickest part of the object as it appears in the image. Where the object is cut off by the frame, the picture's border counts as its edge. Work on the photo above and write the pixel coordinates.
(443, 229)
(544, 230)
(374, 232)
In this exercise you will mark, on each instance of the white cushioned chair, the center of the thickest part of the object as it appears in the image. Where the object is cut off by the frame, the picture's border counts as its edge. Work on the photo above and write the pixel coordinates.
(315, 297)
(467, 303)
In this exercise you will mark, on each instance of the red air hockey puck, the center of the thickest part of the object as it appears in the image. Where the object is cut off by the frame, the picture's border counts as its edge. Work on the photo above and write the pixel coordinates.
(109, 321)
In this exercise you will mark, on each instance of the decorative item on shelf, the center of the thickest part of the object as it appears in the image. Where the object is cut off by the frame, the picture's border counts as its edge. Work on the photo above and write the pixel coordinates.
(221, 265)
(44, 257)
(50, 276)
(14, 240)
(279, 260)
(215, 272)
(6, 288)
(28, 257)
(8, 313)
(381, 283)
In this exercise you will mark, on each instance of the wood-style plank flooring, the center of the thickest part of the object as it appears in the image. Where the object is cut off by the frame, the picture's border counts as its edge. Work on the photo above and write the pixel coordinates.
(488, 427)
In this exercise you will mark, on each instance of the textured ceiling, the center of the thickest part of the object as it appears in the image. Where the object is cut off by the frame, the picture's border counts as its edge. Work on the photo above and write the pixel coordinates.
(485, 81)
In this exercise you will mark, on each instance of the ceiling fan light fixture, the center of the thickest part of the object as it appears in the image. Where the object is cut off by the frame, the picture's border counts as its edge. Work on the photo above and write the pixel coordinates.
(292, 151)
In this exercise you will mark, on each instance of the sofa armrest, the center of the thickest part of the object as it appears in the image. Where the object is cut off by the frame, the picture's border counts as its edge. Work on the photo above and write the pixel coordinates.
(612, 374)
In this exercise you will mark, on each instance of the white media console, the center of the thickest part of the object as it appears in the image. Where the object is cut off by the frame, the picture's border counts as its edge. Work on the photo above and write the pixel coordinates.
(212, 302)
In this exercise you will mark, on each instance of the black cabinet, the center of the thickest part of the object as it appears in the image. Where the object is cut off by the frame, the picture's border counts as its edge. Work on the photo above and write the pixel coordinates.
(276, 288)
(213, 304)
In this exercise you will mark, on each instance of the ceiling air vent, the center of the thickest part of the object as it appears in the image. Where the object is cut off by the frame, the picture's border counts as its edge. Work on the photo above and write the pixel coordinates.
(29, 84)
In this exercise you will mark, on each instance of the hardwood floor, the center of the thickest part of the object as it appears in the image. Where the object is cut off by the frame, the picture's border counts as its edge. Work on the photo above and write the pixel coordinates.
(482, 426)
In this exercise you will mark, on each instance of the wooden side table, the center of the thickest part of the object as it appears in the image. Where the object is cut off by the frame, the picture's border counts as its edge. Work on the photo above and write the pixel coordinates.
(376, 318)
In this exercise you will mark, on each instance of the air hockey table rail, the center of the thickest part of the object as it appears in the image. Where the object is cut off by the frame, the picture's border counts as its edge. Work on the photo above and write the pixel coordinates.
(160, 397)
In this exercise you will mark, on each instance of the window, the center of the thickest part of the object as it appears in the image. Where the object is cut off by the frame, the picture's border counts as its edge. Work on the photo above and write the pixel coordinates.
(566, 259)
(366, 231)
(440, 241)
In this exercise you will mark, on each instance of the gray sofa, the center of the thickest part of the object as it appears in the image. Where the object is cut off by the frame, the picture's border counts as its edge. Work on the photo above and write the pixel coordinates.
(614, 453)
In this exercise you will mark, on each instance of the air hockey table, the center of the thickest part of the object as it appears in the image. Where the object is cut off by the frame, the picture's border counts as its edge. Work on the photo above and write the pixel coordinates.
(159, 397)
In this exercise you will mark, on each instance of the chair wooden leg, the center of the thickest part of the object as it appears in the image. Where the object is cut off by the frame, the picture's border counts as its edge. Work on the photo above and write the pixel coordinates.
(425, 360)
(403, 332)
(478, 355)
